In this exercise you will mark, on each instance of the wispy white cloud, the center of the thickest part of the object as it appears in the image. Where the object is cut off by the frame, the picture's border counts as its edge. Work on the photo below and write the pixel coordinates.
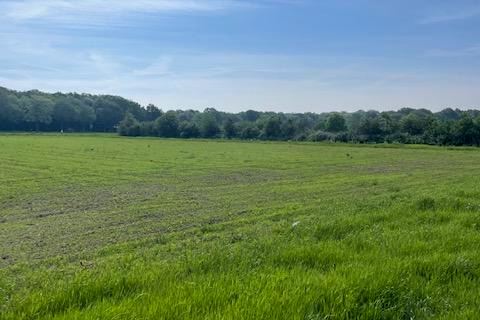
(67, 10)
(40, 50)
(233, 81)
(452, 14)
(472, 51)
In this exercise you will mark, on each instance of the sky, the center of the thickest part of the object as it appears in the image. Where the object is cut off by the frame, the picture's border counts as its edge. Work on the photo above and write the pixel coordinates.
(234, 55)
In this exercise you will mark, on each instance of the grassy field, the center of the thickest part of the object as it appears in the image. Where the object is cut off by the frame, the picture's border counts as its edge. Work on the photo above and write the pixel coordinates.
(102, 227)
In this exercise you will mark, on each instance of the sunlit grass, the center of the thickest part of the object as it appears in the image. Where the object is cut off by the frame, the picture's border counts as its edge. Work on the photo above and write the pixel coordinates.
(101, 227)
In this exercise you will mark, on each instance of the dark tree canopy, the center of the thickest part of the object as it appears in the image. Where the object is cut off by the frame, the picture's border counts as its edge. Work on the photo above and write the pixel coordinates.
(167, 125)
(129, 126)
(335, 123)
(189, 130)
(229, 129)
(209, 127)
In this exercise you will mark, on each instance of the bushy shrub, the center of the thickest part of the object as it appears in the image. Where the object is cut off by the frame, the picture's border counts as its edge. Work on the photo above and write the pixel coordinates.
(189, 130)
(129, 126)
(321, 136)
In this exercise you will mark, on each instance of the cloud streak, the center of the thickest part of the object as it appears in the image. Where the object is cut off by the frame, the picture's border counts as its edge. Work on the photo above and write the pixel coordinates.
(236, 82)
(100, 14)
(451, 16)
(472, 51)
(58, 10)
(284, 55)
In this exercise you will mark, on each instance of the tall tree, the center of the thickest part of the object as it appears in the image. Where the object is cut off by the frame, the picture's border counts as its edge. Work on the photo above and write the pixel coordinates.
(86, 116)
(413, 124)
(10, 112)
(335, 123)
(248, 130)
(273, 128)
(466, 131)
(129, 126)
(167, 125)
(229, 129)
(108, 114)
(64, 112)
(39, 111)
(288, 129)
(188, 130)
(208, 125)
(152, 113)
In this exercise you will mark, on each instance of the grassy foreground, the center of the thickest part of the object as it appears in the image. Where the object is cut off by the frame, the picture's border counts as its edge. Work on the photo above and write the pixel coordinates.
(102, 227)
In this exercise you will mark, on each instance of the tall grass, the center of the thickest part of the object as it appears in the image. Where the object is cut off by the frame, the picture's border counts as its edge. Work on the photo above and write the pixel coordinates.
(239, 231)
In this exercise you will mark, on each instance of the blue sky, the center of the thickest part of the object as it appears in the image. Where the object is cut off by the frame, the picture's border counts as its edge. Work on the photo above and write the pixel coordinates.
(281, 55)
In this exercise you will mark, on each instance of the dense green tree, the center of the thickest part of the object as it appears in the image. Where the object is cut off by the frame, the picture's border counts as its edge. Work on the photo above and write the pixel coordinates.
(152, 113)
(413, 124)
(148, 128)
(250, 115)
(39, 111)
(353, 121)
(438, 133)
(209, 127)
(387, 123)
(189, 130)
(335, 123)
(288, 129)
(167, 125)
(373, 127)
(64, 112)
(272, 128)
(129, 126)
(303, 122)
(10, 111)
(187, 115)
(449, 114)
(108, 114)
(248, 130)
(466, 131)
(86, 116)
(229, 129)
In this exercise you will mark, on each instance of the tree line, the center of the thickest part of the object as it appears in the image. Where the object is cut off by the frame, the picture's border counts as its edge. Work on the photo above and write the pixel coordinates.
(37, 111)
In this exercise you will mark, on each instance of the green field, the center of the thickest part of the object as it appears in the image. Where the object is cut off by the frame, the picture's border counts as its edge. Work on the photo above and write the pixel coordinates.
(102, 227)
